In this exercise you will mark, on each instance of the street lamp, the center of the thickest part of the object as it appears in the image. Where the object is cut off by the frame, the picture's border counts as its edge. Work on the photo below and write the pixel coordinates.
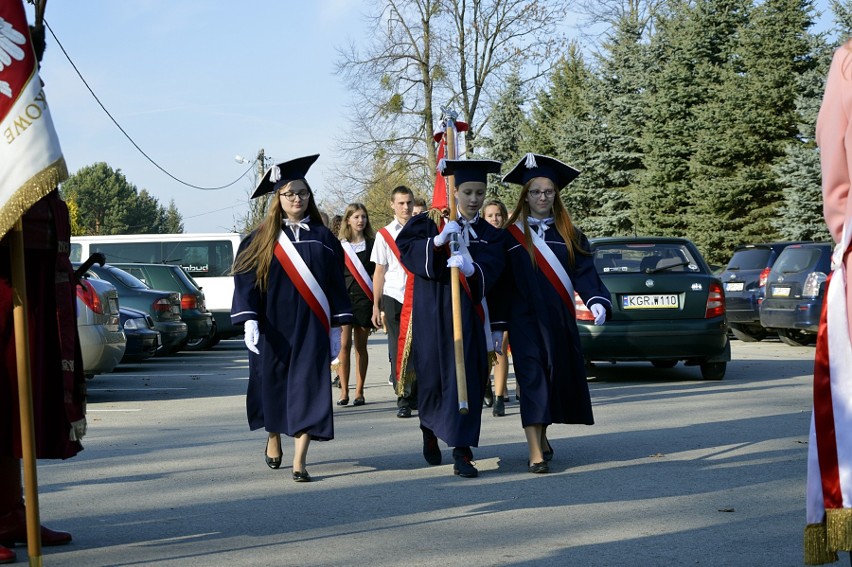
(261, 160)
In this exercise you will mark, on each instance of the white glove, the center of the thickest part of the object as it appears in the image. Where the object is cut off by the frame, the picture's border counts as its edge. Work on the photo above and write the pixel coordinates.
(497, 341)
(463, 263)
(451, 227)
(252, 335)
(599, 312)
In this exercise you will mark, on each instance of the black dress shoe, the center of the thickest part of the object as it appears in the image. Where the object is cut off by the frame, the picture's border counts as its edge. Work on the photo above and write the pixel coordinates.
(539, 468)
(431, 451)
(301, 476)
(463, 463)
(270, 462)
(359, 401)
(489, 396)
(343, 402)
(403, 412)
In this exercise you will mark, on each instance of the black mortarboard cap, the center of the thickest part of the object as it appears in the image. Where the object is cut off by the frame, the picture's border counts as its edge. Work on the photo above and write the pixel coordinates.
(282, 173)
(466, 170)
(535, 165)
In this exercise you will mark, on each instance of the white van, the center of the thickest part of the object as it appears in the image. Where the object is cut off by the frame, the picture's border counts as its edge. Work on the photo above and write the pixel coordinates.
(207, 257)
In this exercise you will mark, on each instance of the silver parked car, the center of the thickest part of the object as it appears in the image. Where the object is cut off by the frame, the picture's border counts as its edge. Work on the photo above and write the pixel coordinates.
(102, 339)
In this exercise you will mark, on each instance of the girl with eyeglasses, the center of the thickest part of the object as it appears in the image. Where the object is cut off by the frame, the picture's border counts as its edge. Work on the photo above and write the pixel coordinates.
(548, 259)
(288, 293)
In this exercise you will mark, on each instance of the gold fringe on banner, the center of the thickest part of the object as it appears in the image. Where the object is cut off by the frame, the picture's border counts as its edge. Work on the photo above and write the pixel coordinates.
(816, 546)
(838, 528)
(407, 375)
(30, 192)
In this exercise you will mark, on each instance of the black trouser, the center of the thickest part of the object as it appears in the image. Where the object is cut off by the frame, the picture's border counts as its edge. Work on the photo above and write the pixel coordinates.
(393, 310)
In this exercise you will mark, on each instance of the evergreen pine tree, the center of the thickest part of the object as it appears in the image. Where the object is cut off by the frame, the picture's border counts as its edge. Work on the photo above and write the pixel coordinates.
(800, 215)
(505, 141)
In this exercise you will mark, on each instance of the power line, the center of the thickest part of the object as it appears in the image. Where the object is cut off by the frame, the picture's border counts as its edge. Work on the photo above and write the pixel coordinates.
(126, 135)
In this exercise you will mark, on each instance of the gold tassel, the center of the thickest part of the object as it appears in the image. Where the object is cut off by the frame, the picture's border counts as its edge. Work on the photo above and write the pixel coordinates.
(30, 192)
(816, 546)
(407, 375)
(838, 522)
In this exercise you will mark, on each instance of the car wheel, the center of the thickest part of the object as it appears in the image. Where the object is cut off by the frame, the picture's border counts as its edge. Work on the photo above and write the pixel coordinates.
(796, 337)
(749, 334)
(204, 343)
(713, 370)
(664, 363)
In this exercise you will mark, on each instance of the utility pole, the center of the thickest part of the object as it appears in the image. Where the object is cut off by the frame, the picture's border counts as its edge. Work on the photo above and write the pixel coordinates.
(261, 162)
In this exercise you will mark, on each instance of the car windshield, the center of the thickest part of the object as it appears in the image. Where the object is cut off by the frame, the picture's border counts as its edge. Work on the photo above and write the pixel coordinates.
(749, 259)
(644, 257)
(795, 259)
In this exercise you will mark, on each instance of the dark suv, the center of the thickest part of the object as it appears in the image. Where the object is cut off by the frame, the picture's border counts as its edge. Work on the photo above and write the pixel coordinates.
(199, 321)
(744, 279)
(794, 292)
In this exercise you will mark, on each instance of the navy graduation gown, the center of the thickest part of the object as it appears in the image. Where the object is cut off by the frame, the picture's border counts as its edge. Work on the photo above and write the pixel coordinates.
(289, 388)
(545, 342)
(432, 327)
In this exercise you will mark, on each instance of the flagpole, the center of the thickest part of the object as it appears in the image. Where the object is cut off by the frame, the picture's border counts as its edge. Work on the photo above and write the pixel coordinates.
(25, 393)
(455, 282)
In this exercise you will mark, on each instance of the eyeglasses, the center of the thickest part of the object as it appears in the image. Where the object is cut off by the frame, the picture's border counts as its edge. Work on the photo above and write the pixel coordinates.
(535, 193)
(291, 196)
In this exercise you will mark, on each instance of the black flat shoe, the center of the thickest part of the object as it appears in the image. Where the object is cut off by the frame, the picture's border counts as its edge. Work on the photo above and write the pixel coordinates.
(301, 476)
(359, 401)
(499, 409)
(343, 402)
(539, 468)
(270, 462)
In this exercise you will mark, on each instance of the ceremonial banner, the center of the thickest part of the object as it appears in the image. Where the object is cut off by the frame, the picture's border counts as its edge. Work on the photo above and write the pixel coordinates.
(31, 162)
(440, 198)
(439, 193)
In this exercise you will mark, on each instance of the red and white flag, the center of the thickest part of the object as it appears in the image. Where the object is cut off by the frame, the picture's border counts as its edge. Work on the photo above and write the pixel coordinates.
(31, 162)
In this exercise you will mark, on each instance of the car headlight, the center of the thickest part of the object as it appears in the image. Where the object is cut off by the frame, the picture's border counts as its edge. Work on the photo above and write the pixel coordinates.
(813, 284)
(135, 324)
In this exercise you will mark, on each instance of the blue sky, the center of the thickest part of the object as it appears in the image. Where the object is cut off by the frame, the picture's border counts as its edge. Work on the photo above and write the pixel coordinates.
(196, 83)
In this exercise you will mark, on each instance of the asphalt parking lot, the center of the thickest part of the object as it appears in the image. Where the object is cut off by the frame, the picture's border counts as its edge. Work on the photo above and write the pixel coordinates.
(676, 471)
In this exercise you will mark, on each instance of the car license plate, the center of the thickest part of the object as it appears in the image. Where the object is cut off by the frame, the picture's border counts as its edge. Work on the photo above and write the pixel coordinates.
(734, 286)
(113, 304)
(656, 301)
(780, 291)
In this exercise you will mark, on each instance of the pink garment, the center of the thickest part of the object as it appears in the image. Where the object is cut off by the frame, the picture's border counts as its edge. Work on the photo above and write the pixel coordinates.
(834, 138)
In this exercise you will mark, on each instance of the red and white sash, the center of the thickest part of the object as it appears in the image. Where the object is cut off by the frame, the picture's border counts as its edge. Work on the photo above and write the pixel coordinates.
(392, 245)
(357, 269)
(549, 264)
(829, 480)
(306, 284)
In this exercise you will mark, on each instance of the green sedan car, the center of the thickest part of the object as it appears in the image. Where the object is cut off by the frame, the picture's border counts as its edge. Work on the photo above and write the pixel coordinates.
(667, 306)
